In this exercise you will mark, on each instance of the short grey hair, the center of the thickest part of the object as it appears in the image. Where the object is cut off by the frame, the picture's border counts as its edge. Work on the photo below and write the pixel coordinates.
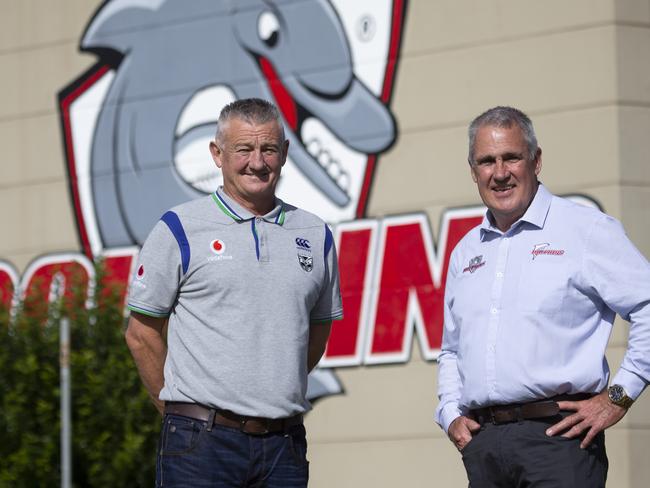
(503, 117)
(251, 110)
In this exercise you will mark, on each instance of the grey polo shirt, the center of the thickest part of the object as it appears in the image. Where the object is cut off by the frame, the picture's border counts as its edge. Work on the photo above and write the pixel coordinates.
(240, 292)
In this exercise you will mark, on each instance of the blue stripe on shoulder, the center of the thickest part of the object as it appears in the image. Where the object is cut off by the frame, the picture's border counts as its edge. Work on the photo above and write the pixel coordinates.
(329, 241)
(174, 223)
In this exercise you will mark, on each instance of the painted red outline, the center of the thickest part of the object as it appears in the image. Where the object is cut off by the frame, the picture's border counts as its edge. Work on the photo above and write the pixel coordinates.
(80, 86)
(386, 92)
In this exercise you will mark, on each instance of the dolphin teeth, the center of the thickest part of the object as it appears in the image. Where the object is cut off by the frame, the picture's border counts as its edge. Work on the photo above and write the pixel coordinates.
(324, 159)
(334, 170)
(329, 163)
(343, 180)
(313, 147)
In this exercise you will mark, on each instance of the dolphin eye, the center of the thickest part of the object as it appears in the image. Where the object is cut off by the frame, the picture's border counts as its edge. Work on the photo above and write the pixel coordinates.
(268, 28)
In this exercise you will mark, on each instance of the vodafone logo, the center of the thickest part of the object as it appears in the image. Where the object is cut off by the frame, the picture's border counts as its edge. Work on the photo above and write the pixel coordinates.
(139, 274)
(217, 246)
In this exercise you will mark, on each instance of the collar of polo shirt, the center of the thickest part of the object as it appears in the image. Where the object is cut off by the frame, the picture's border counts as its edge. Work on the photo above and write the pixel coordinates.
(238, 213)
(535, 214)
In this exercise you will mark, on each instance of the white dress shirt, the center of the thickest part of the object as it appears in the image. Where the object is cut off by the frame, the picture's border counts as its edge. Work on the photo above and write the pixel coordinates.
(529, 312)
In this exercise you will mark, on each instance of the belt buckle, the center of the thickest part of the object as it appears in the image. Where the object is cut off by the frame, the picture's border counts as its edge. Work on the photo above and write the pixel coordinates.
(243, 422)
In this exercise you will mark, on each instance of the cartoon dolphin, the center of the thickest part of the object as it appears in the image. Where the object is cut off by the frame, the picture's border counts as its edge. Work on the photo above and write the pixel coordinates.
(170, 54)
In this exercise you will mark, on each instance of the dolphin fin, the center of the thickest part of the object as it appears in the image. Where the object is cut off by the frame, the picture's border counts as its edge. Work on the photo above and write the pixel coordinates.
(115, 19)
(322, 383)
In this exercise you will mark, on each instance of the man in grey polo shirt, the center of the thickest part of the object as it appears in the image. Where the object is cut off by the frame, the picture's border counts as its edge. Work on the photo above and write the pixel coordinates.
(246, 287)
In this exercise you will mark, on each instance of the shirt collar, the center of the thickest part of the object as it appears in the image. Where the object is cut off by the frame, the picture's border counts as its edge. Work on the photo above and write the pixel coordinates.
(535, 214)
(238, 213)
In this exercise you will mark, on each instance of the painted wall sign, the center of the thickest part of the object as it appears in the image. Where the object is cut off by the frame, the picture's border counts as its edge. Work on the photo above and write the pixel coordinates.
(136, 128)
(137, 124)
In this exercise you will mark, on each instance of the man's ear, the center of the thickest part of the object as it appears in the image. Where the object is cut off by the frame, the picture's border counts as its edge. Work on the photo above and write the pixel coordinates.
(538, 161)
(472, 170)
(285, 151)
(216, 153)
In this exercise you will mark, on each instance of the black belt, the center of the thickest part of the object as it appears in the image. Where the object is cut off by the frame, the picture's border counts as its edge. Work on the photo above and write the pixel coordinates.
(514, 412)
(248, 425)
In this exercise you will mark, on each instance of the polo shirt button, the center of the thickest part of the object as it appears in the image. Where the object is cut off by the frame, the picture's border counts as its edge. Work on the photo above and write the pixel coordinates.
(494, 311)
(499, 274)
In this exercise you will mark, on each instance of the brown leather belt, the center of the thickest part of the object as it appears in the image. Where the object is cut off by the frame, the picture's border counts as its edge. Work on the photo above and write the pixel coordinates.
(226, 418)
(514, 412)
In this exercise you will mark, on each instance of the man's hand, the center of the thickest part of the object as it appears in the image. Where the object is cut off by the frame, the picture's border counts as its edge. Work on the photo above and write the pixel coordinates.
(461, 429)
(595, 415)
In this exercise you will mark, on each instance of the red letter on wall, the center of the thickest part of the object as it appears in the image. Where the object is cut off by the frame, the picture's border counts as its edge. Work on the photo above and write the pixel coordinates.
(410, 284)
(356, 243)
(49, 277)
(8, 283)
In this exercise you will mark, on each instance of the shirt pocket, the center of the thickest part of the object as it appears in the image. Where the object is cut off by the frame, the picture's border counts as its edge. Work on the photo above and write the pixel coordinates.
(543, 286)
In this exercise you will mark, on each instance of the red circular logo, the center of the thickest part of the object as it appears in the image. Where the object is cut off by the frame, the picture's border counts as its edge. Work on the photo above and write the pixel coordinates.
(217, 246)
(140, 272)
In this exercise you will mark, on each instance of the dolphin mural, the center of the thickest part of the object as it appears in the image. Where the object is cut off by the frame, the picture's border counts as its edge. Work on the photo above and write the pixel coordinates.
(177, 66)
(136, 126)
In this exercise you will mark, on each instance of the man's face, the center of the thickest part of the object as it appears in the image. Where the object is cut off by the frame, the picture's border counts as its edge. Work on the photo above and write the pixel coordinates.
(506, 178)
(251, 157)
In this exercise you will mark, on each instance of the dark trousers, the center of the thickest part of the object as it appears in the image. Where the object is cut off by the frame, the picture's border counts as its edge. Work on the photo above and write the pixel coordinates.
(520, 454)
(192, 456)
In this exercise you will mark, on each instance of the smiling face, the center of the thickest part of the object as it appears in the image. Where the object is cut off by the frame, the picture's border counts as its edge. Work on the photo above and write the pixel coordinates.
(250, 156)
(505, 174)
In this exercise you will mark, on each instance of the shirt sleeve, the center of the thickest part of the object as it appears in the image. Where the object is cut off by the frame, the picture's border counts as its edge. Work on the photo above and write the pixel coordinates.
(329, 304)
(449, 379)
(620, 275)
(156, 279)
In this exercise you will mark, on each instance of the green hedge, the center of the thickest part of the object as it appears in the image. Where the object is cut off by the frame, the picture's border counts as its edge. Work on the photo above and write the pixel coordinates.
(115, 426)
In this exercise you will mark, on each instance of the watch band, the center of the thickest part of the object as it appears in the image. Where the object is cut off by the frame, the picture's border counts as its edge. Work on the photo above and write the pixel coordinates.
(618, 396)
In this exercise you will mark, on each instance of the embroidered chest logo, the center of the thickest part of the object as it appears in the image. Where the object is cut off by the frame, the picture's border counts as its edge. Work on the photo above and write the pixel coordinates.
(475, 263)
(302, 243)
(544, 248)
(218, 247)
(305, 257)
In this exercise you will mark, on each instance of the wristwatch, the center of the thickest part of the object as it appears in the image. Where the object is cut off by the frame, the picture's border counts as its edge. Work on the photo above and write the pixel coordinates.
(618, 396)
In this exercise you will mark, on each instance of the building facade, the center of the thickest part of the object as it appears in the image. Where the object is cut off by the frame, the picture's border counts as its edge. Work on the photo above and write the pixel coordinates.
(106, 110)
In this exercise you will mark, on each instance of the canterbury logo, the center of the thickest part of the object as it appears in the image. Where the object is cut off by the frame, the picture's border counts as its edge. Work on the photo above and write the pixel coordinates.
(304, 243)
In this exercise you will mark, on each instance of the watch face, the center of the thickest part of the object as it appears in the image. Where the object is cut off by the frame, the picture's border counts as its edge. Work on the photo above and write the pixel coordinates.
(616, 393)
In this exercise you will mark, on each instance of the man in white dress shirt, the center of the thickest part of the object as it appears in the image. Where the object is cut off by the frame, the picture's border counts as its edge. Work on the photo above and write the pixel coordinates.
(531, 297)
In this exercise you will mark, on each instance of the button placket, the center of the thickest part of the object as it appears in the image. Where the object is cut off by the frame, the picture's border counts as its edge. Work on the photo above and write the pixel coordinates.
(496, 292)
(262, 236)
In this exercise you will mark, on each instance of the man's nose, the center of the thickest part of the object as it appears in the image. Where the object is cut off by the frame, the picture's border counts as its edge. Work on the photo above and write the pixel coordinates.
(256, 160)
(501, 170)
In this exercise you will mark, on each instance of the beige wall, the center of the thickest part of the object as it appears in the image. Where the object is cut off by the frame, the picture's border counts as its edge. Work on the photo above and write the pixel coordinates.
(580, 69)
(38, 57)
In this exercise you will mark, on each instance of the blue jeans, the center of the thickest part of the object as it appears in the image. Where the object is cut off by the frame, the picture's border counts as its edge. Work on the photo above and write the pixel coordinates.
(190, 455)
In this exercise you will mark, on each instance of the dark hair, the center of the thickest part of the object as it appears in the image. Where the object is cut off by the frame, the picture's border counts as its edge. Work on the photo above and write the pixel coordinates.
(503, 117)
